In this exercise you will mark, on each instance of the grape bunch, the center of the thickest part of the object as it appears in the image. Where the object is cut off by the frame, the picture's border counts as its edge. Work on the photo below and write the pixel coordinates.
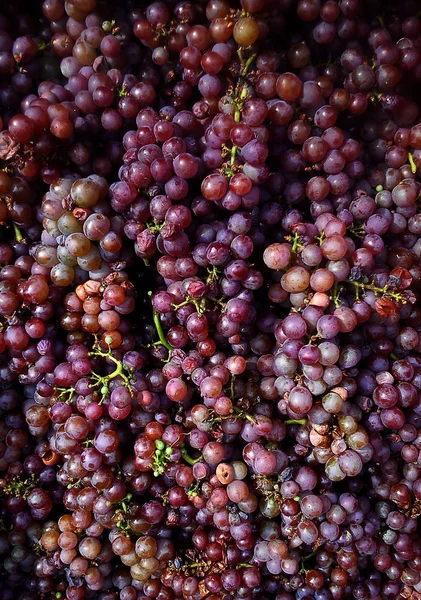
(210, 287)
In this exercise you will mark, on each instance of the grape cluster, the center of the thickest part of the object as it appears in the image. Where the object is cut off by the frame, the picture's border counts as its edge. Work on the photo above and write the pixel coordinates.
(210, 286)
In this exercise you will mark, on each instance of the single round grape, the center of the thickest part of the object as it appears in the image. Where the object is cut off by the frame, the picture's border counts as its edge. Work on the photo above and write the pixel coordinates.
(246, 31)
(296, 279)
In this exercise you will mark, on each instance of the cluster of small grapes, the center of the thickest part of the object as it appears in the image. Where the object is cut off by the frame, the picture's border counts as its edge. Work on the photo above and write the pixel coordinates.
(71, 225)
(92, 58)
(27, 300)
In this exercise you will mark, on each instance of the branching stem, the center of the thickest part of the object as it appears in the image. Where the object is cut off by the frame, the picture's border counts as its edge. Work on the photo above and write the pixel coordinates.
(385, 291)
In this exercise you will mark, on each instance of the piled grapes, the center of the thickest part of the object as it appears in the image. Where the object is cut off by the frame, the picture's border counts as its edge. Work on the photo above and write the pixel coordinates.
(210, 300)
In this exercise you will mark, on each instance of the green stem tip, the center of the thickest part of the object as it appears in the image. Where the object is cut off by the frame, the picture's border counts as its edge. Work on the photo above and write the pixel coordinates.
(18, 233)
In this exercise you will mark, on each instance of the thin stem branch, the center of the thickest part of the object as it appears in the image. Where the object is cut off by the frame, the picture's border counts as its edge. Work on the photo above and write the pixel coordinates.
(160, 331)
(186, 456)
(377, 290)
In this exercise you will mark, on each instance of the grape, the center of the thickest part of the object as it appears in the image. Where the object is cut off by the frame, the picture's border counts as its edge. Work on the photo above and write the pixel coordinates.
(246, 31)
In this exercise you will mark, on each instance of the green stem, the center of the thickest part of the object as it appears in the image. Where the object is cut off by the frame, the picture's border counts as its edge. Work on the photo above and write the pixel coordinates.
(239, 105)
(64, 392)
(189, 300)
(247, 65)
(119, 367)
(237, 115)
(186, 456)
(100, 380)
(295, 422)
(357, 293)
(296, 244)
(232, 387)
(358, 230)
(20, 487)
(335, 295)
(160, 331)
(125, 500)
(193, 489)
(308, 556)
(18, 233)
(155, 227)
(233, 155)
(213, 274)
(412, 163)
(384, 291)
(240, 413)
(195, 565)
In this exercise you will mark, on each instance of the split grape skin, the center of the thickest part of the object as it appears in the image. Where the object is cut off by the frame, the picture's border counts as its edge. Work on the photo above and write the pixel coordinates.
(210, 357)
